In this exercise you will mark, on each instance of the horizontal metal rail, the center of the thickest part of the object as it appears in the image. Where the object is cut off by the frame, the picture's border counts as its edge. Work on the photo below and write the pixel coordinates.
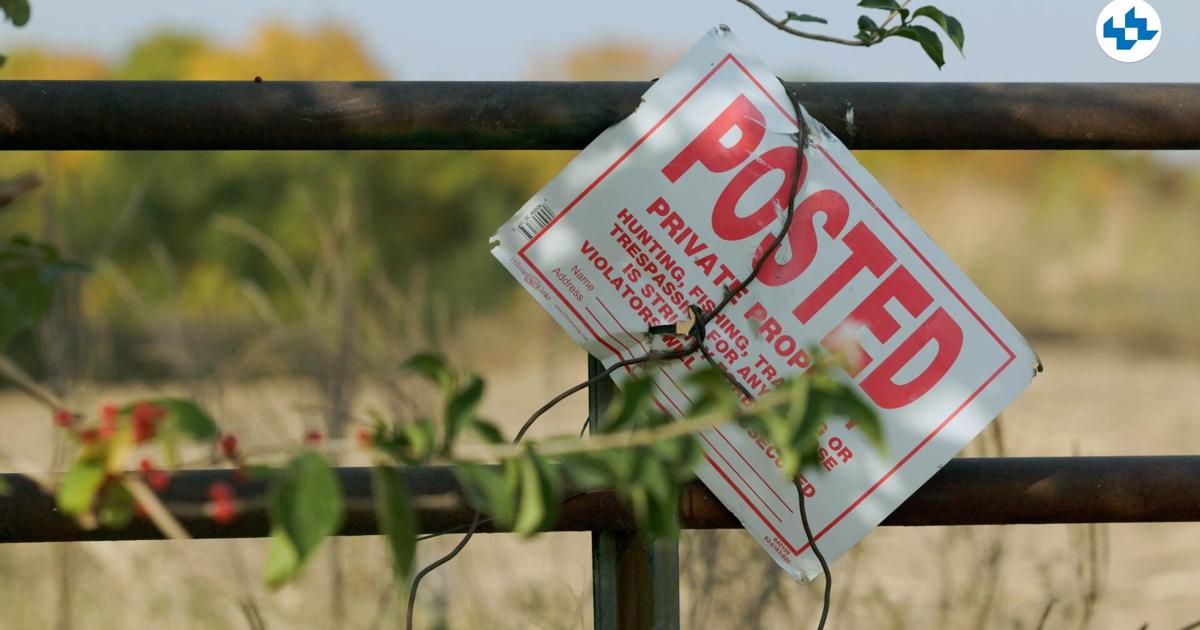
(985, 491)
(168, 115)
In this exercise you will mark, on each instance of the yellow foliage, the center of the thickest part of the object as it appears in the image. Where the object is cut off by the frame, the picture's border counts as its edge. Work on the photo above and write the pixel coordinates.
(606, 61)
(276, 52)
(38, 64)
(281, 53)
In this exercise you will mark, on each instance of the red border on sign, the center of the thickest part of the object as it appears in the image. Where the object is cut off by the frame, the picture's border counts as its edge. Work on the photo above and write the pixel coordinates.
(817, 535)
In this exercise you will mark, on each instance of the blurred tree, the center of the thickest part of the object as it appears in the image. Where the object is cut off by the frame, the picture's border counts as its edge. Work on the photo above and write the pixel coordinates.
(39, 64)
(612, 60)
(17, 12)
(431, 213)
(280, 53)
(431, 210)
(162, 56)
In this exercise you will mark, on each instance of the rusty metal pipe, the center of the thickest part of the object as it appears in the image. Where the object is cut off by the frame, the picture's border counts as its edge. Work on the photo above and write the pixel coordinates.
(986, 491)
(170, 115)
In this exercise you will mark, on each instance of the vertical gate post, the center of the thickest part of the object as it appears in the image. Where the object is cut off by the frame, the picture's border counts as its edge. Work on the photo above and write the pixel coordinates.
(635, 584)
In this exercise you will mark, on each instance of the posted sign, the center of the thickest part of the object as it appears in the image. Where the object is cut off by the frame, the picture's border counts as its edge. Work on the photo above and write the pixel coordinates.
(671, 206)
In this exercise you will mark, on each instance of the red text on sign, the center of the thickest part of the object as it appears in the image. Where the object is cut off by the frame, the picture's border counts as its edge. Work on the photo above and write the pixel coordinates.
(868, 257)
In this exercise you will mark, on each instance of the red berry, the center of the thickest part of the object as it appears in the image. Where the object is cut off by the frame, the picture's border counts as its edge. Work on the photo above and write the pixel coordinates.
(229, 444)
(108, 426)
(159, 480)
(222, 507)
(149, 412)
(224, 512)
(220, 492)
(63, 418)
(143, 429)
(109, 411)
(366, 437)
(156, 478)
(312, 437)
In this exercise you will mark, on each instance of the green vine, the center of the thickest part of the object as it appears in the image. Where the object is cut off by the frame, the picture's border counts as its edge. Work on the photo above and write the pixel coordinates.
(871, 32)
(640, 452)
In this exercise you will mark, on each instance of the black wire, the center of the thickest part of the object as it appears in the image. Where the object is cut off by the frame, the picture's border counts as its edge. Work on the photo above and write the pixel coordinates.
(812, 544)
(478, 518)
(475, 521)
(416, 583)
(485, 521)
(653, 356)
(812, 541)
(697, 334)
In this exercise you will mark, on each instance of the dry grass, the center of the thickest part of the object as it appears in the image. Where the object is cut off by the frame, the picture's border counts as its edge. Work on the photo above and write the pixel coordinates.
(985, 577)
(339, 359)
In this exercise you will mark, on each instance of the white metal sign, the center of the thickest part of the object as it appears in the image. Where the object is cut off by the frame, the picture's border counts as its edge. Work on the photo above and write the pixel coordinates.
(669, 207)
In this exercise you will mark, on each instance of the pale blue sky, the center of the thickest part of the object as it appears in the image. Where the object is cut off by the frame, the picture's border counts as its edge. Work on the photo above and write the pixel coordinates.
(1007, 40)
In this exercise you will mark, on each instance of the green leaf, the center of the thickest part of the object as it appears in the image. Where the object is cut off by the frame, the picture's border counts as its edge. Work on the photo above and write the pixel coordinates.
(664, 516)
(488, 431)
(115, 506)
(187, 418)
(409, 443)
(282, 559)
(78, 487)
(949, 24)
(397, 520)
(492, 490)
(433, 368)
(460, 410)
(714, 395)
(305, 507)
(792, 16)
(633, 402)
(851, 405)
(654, 500)
(30, 274)
(622, 462)
(887, 5)
(258, 472)
(540, 495)
(655, 477)
(18, 11)
(797, 392)
(928, 40)
(586, 471)
(868, 30)
(682, 453)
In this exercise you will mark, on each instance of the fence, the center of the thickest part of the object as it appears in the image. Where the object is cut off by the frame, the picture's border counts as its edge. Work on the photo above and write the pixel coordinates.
(635, 585)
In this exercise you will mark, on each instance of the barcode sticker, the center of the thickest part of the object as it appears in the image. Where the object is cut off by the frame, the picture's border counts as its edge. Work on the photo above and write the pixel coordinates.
(536, 220)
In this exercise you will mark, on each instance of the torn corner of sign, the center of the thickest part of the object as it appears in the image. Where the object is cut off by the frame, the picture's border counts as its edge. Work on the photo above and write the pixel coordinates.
(667, 209)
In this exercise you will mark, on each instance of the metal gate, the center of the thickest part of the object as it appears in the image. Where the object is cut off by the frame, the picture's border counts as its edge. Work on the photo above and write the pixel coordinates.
(635, 584)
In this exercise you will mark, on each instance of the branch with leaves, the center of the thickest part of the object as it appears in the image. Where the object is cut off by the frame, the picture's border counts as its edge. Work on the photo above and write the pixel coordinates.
(640, 452)
(871, 33)
(17, 12)
(123, 454)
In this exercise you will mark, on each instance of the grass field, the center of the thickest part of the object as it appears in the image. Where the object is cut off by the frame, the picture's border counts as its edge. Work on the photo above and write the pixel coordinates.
(1089, 402)
(1091, 254)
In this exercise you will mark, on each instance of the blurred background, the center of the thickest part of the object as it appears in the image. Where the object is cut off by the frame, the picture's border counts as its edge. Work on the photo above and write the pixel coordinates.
(282, 290)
